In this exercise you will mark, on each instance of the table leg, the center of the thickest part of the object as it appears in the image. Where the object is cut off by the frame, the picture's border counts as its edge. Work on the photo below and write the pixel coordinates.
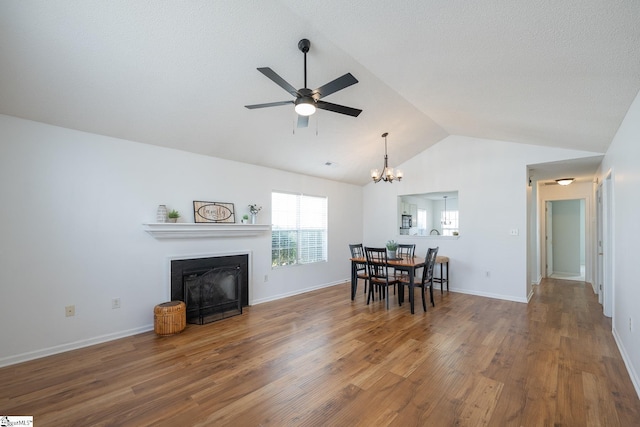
(447, 276)
(412, 273)
(354, 281)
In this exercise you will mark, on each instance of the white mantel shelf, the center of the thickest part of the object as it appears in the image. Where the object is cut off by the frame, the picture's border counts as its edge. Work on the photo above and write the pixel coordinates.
(182, 230)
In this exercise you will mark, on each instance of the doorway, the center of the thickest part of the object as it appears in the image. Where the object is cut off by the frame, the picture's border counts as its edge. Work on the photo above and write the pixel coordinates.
(565, 239)
(604, 262)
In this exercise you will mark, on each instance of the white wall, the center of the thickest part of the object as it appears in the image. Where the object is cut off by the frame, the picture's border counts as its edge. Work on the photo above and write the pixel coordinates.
(491, 177)
(622, 161)
(73, 205)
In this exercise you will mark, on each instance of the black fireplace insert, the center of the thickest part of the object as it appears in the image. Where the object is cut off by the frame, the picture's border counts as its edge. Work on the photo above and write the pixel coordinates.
(212, 288)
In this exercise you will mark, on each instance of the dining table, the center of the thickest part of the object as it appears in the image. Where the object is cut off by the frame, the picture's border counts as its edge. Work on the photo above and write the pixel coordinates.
(408, 264)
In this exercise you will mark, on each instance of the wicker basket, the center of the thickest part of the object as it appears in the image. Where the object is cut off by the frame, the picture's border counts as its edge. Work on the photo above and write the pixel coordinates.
(169, 318)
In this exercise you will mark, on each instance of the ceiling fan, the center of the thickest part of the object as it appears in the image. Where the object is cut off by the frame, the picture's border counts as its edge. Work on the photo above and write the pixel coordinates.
(308, 100)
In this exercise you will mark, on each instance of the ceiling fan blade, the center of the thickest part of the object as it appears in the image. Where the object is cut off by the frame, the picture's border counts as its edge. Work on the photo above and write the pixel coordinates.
(335, 85)
(338, 108)
(278, 80)
(268, 104)
(303, 121)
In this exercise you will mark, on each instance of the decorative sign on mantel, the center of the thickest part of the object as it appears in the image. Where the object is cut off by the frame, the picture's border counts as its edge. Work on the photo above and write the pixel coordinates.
(217, 212)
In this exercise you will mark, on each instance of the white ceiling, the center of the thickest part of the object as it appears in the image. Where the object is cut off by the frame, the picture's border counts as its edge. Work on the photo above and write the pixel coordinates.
(178, 74)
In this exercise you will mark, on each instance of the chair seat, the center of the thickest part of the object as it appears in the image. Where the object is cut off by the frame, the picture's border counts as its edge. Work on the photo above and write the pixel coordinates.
(440, 259)
(404, 278)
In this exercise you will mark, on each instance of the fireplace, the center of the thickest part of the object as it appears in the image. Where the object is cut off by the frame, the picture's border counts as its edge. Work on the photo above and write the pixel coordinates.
(212, 288)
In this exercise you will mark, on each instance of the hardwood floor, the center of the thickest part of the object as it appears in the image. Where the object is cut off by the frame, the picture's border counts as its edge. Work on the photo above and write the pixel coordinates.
(320, 359)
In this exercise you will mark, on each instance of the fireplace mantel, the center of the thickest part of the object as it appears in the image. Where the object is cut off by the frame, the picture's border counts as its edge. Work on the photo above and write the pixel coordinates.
(182, 230)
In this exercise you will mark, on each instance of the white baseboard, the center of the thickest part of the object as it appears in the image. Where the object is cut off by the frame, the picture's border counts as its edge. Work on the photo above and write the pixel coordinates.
(627, 362)
(298, 292)
(489, 295)
(538, 280)
(530, 295)
(24, 357)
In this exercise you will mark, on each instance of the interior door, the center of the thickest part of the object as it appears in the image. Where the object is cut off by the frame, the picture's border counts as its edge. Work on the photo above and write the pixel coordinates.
(549, 238)
(607, 246)
(599, 248)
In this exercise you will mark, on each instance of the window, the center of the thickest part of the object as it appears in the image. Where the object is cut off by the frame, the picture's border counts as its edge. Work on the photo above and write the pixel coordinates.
(449, 221)
(299, 230)
(422, 221)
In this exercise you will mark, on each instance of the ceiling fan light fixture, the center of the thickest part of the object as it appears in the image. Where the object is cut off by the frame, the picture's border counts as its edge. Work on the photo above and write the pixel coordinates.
(564, 181)
(305, 106)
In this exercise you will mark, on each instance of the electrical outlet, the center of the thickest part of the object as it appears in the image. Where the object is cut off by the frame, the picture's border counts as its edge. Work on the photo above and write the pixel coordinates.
(266, 278)
(115, 303)
(514, 232)
(70, 310)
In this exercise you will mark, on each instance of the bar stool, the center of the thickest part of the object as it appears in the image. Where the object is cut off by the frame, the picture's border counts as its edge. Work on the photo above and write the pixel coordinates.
(442, 261)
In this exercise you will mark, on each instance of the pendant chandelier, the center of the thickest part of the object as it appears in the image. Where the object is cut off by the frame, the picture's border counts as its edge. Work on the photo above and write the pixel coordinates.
(445, 221)
(387, 172)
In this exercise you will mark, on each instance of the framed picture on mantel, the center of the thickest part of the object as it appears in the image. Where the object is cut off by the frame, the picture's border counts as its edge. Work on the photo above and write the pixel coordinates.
(213, 212)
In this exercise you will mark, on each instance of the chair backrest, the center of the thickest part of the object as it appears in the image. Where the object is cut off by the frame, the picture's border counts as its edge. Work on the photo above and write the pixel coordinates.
(377, 267)
(406, 251)
(429, 264)
(357, 251)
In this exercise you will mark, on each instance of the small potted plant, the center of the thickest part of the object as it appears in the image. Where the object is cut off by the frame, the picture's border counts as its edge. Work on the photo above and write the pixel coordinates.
(392, 247)
(245, 219)
(253, 210)
(173, 215)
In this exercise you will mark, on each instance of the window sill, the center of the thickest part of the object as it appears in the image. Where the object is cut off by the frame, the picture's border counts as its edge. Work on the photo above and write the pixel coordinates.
(430, 236)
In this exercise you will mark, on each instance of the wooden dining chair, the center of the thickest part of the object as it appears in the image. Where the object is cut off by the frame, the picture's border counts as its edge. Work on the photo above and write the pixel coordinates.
(427, 277)
(404, 251)
(357, 251)
(378, 269)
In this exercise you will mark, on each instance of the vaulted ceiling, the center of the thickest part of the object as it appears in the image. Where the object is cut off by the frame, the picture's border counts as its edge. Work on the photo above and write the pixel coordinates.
(178, 74)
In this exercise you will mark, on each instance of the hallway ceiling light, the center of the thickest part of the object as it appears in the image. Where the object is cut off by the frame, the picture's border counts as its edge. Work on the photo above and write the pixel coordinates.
(564, 181)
